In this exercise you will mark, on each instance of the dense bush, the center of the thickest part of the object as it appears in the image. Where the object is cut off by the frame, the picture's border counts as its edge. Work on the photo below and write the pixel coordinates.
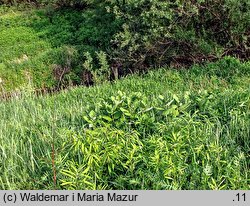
(156, 32)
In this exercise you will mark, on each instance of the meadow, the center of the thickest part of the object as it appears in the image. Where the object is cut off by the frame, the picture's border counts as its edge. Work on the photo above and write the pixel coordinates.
(167, 129)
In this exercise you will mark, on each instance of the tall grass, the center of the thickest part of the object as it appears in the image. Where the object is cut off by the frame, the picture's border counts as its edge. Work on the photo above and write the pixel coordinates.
(168, 129)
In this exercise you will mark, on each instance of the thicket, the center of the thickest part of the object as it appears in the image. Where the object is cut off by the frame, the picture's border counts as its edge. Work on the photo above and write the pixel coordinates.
(156, 32)
(152, 33)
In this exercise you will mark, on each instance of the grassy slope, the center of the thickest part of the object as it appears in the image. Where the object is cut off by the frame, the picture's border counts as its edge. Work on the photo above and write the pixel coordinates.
(33, 40)
(22, 53)
(169, 129)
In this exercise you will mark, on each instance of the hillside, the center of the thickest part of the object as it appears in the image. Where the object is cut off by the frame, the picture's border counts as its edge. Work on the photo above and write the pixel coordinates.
(55, 44)
(37, 44)
(115, 94)
(168, 129)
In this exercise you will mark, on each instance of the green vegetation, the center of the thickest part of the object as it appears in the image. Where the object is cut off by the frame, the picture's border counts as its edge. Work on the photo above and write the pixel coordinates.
(48, 43)
(157, 32)
(168, 129)
(23, 55)
(36, 45)
(184, 126)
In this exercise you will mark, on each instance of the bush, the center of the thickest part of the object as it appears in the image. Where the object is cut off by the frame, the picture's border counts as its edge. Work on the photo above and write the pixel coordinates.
(158, 32)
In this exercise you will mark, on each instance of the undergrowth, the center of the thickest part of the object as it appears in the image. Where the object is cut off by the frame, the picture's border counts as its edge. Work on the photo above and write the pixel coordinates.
(168, 129)
(36, 42)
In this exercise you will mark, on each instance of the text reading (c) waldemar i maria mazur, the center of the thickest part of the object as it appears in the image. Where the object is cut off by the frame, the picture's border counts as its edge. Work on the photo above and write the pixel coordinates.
(78, 197)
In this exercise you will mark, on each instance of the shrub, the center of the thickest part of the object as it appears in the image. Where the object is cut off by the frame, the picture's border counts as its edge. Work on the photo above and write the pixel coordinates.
(99, 71)
(158, 32)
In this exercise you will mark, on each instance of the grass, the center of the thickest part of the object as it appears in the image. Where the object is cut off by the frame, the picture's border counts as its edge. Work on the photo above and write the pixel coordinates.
(22, 51)
(33, 40)
(168, 129)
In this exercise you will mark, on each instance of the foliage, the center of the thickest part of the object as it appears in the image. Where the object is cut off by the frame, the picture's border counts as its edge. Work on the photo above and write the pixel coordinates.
(41, 38)
(156, 32)
(99, 71)
(166, 129)
(170, 129)
(133, 35)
